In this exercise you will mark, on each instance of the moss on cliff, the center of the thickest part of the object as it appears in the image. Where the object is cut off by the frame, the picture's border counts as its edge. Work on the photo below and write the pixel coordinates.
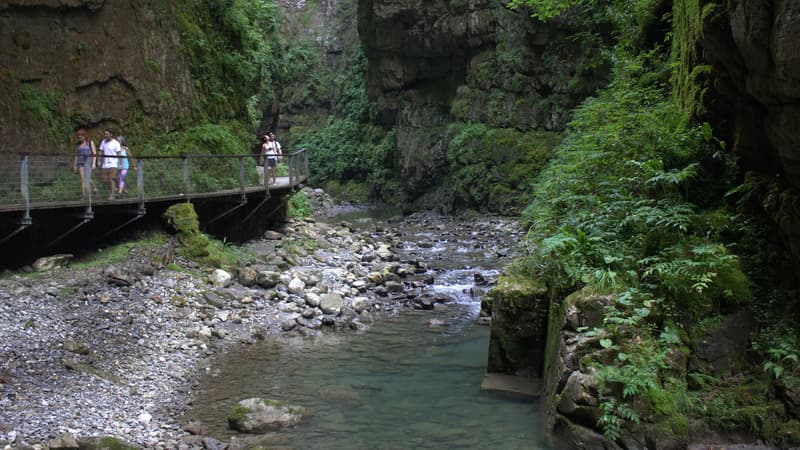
(691, 78)
(495, 168)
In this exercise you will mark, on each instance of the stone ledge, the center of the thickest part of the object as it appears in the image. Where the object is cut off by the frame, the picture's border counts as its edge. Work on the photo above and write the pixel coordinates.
(529, 387)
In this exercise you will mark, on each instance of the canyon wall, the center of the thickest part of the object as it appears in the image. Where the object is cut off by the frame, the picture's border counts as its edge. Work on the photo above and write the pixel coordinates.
(106, 62)
(432, 63)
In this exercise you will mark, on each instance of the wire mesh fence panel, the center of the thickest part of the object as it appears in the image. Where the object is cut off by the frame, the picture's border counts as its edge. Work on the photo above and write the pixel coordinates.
(251, 176)
(38, 180)
(163, 177)
(10, 177)
(213, 174)
(51, 179)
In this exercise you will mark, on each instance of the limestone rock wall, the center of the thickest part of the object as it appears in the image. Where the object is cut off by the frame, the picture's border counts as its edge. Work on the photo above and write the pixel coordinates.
(435, 62)
(754, 47)
(84, 53)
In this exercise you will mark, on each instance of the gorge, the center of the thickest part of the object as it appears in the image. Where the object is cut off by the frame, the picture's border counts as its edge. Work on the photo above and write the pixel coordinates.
(648, 148)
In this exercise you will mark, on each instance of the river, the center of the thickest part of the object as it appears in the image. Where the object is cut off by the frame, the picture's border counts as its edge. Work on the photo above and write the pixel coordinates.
(400, 384)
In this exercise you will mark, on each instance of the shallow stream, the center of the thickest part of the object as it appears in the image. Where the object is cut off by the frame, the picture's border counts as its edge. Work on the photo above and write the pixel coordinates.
(402, 384)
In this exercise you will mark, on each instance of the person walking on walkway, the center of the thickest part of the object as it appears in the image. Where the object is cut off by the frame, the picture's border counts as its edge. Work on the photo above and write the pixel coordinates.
(273, 151)
(110, 149)
(262, 150)
(125, 162)
(84, 161)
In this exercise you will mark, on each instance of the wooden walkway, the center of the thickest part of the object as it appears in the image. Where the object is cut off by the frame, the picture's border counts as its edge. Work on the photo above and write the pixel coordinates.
(31, 183)
(282, 184)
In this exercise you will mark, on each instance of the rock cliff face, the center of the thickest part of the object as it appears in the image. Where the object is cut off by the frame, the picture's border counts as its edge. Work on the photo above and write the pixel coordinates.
(432, 63)
(754, 48)
(79, 55)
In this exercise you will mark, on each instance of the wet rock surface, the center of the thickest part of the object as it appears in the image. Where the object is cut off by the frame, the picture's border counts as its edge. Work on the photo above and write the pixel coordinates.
(116, 350)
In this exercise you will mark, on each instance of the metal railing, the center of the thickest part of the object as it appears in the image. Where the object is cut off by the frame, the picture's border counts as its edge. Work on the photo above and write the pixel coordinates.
(37, 181)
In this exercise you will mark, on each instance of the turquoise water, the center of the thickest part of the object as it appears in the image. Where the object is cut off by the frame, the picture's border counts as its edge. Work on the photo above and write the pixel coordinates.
(402, 384)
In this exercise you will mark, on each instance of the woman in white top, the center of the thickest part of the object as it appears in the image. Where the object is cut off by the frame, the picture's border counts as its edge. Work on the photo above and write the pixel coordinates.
(111, 150)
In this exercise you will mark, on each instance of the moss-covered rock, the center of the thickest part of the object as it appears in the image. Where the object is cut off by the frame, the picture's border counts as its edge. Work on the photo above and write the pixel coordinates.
(258, 415)
(183, 218)
(105, 443)
(519, 326)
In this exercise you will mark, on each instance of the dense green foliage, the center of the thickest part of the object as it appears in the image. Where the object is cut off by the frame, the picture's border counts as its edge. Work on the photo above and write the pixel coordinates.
(233, 49)
(633, 204)
(349, 147)
(546, 9)
(496, 166)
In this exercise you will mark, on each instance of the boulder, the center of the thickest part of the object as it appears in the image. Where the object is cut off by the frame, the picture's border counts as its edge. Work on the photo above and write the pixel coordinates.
(64, 442)
(519, 309)
(247, 276)
(375, 277)
(331, 303)
(361, 304)
(220, 278)
(51, 262)
(296, 286)
(720, 349)
(268, 278)
(313, 299)
(258, 415)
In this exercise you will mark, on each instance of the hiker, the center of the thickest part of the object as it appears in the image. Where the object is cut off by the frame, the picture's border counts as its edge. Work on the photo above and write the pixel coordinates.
(110, 149)
(84, 160)
(125, 162)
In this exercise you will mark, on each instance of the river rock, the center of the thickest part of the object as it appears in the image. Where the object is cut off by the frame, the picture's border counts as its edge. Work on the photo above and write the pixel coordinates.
(210, 443)
(76, 347)
(385, 253)
(64, 442)
(247, 276)
(331, 303)
(375, 277)
(213, 299)
(268, 278)
(361, 304)
(220, 278)
(258, 415)
(288, 307)
(313, 299)
(424, 302)
(312, 323)
(288, 324)
(51, 262)
(296, 286)
(394, 286)
(272, 235)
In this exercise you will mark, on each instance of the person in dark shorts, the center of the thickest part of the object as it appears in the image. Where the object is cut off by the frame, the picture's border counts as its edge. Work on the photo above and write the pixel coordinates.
(84, 160)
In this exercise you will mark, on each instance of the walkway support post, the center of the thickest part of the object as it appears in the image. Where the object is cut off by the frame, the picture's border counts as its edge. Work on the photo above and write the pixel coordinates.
(140, 185)
(293, 171)
(305, 163)
(24, 188)
(87, 181)
(186, 176)
(242, 180)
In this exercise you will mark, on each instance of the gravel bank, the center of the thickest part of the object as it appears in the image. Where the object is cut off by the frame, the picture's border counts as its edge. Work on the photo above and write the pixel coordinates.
(115, 350)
